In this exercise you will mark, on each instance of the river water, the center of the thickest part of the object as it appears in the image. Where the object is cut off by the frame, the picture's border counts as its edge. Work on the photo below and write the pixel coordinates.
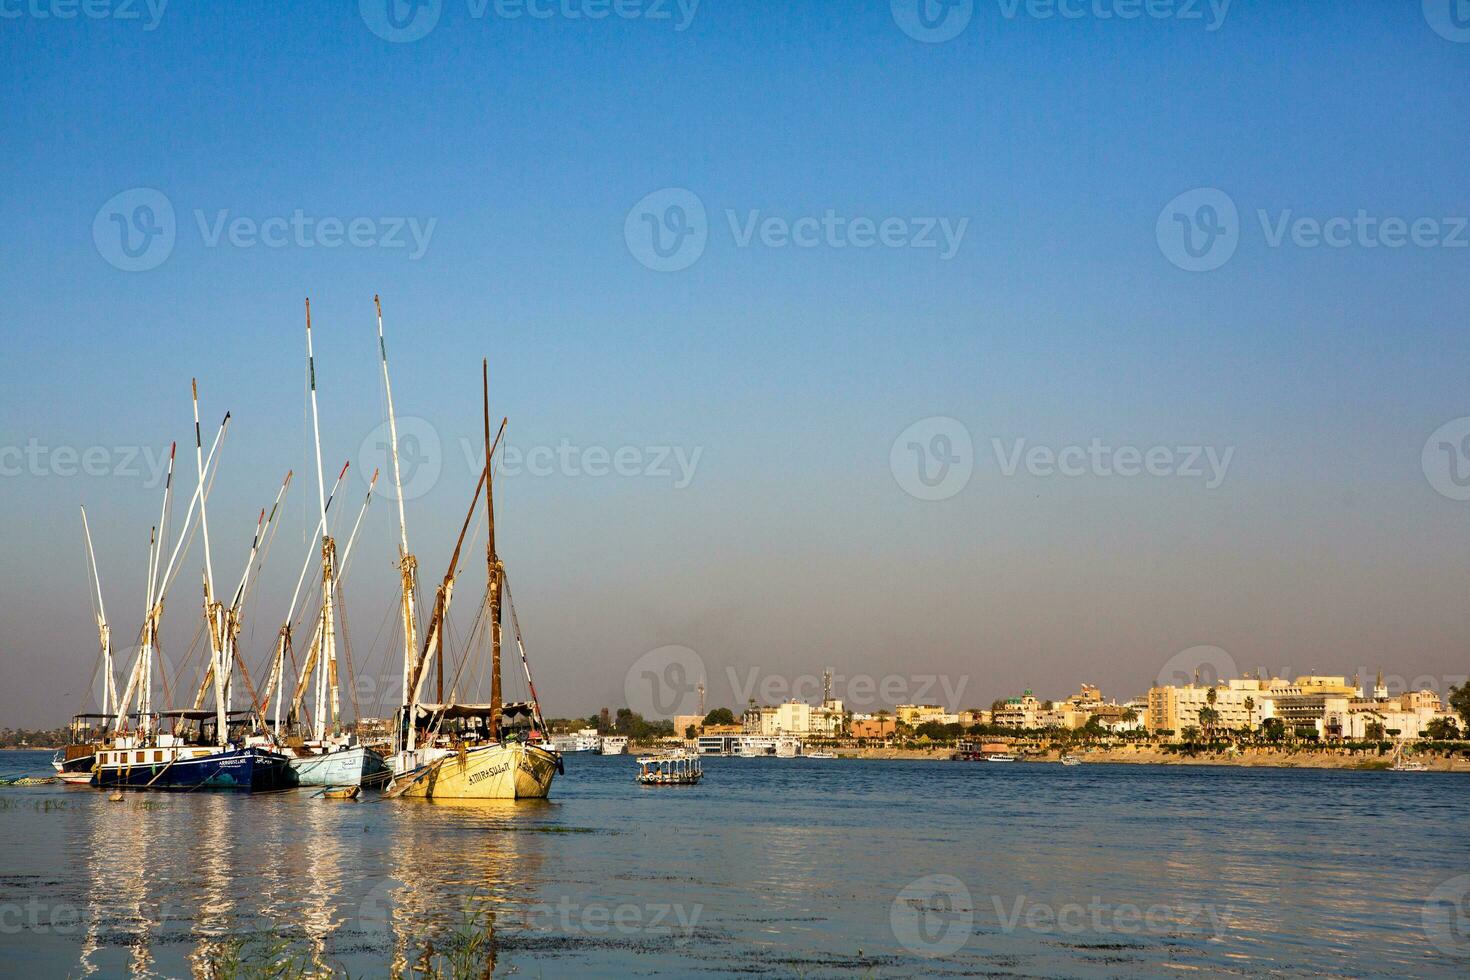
(788, 867)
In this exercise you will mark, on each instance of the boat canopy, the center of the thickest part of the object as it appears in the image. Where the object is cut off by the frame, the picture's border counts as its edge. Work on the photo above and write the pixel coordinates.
(509, 713)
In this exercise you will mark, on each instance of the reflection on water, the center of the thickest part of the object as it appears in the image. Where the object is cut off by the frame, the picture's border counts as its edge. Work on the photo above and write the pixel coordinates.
(785, 866)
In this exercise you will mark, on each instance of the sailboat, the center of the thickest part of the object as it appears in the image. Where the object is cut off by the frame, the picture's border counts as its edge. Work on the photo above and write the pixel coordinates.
(198, 751)
(461, 751)
(74, 761)
(328, 756)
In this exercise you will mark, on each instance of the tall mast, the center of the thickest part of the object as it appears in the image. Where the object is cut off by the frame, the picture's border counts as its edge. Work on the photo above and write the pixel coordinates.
(407, 564)
(211, 607)
(434, 634)
(140, 678)
(328, 659)
(492, 563)
(104, 632)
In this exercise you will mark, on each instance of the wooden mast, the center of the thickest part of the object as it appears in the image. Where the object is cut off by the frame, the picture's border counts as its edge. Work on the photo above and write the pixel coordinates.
(492, 563)
(434, 633)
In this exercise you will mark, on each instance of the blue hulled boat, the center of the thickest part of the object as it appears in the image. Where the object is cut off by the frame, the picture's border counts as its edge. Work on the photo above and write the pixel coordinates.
(191, 767)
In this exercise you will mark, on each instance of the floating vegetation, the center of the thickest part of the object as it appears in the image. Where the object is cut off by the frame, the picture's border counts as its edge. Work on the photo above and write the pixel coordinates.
(467, 953)
(25, 803)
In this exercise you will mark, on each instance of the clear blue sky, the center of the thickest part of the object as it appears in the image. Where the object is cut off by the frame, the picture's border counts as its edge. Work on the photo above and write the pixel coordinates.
(1059, 319)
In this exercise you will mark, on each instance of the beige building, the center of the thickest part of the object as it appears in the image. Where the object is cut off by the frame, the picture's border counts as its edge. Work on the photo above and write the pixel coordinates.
(915, 715)
(795, 718)
(1021, 712)
(1239, 702)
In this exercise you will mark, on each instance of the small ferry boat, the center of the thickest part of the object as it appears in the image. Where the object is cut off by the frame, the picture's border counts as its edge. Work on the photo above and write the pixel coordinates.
(1000, 757)
(788, 747)
(821, 755)
(671, 769)
(613, 745)
(1070, 760)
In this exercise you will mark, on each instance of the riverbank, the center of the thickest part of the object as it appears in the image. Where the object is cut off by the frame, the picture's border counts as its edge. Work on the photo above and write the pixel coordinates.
(1279, 758)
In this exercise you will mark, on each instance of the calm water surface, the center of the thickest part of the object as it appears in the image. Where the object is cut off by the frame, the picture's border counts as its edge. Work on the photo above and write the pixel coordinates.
(788, 867)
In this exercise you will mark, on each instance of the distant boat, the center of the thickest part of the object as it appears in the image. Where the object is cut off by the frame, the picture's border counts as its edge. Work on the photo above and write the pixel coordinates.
(585, 740)
(672, 769)
(788, 747)
(613, 745)
(1071, 760)
(821, 755)
(1000, 757)
(1400, 764)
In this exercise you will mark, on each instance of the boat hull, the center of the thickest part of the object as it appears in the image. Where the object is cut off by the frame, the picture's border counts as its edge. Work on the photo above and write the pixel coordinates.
(345, 767)
(494, 772)
(238, 770)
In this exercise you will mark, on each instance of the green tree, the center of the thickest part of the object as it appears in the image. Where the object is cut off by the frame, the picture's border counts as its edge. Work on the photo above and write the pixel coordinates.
(1459, 699)
(720, 716)
(1209, 718)
(1274, 729)
(1442, 729)
(1190, 733)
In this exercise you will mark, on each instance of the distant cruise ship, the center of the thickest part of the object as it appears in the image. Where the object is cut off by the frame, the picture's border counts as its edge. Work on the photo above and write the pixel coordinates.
(586, 740)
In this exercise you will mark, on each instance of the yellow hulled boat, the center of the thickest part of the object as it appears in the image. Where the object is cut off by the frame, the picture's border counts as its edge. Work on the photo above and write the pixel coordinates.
(516, 771)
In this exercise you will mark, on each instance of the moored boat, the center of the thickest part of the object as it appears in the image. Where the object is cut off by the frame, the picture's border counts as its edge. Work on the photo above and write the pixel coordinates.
(489, 751)
(670, 769)
(340, 765)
